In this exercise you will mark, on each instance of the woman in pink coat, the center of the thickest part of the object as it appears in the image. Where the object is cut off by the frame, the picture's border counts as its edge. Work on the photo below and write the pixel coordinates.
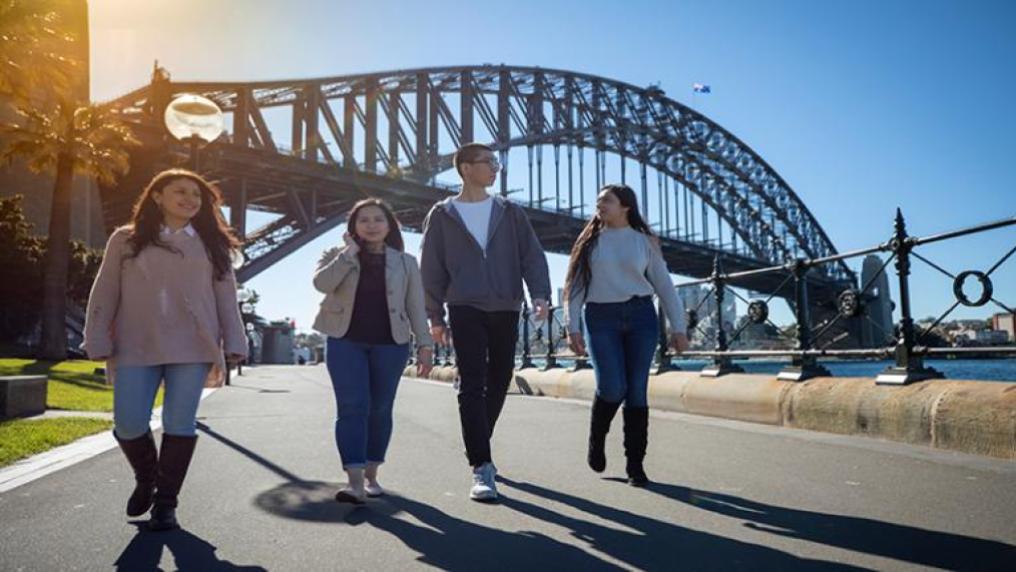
(163, 309)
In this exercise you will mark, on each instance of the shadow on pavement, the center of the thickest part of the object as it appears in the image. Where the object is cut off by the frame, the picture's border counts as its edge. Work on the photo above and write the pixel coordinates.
(311, 501)
(235, 385)
(296, 498)
(897, 541)
(443, 541)
(212, 433)
(189, 552)
(652, 544)
(450, 543)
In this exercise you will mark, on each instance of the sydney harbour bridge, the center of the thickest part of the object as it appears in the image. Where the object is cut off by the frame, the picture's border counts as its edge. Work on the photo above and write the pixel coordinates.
(390, 134)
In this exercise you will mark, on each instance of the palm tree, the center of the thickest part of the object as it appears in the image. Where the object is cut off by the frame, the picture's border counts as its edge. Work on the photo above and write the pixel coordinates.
(33, 49)
(70, 140)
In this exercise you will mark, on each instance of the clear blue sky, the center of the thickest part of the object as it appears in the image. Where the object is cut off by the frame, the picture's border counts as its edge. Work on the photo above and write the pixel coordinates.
(861, 106)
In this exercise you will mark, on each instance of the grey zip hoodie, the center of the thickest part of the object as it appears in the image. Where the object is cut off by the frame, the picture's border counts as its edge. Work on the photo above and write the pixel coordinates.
(457, 271)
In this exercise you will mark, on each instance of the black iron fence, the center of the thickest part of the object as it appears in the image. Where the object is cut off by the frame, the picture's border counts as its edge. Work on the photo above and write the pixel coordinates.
(908, 344)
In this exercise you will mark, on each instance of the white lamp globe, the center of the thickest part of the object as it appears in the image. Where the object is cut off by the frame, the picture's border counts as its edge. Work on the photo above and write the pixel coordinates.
(191, 115)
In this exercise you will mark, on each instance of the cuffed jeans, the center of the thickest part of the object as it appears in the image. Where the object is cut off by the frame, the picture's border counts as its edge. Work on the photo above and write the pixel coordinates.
(485, 356)
(622, 339)
(365, 378)
(134, 392)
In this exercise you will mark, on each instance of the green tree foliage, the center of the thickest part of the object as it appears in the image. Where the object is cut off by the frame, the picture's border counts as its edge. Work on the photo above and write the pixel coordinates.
(21, 257)
(69, 140)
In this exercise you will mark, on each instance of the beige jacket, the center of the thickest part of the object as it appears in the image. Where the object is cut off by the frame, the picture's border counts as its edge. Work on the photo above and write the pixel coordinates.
(337, 275)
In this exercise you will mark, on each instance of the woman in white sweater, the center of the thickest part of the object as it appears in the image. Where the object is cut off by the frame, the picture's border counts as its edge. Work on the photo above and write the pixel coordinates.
(616, 265)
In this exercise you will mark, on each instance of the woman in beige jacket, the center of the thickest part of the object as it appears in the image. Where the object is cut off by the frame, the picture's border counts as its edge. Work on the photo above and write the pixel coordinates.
(373, 303)
(162, 310)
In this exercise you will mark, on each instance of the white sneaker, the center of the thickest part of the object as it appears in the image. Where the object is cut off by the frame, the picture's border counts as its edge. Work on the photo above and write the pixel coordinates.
(374, 489)
(483, 483)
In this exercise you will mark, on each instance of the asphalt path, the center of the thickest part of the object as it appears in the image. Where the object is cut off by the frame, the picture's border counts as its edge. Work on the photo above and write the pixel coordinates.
(726, 496)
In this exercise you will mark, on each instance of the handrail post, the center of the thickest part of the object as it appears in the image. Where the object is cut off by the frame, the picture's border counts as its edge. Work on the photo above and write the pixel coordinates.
(721, 363)
(527, 358)
(802, 367)
(581, 361)
(551, 362)
(909, 366)
(663, 361)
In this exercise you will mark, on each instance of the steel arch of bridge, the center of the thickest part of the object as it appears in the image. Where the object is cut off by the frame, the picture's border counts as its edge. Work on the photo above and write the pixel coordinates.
(428, 112)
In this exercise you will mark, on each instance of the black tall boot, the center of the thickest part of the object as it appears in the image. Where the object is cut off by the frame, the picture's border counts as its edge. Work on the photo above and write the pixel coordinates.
(144, 459)
(174, 459)
(636, 437)
(599, 425)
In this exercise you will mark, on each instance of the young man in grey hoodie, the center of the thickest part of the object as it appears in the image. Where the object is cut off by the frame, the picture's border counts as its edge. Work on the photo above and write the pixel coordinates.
(476, 252)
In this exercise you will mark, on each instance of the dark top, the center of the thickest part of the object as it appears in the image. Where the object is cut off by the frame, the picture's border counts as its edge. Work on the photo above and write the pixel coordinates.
(370, 323)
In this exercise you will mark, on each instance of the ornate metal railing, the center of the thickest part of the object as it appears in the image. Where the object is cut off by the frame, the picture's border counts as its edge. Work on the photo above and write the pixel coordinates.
(907, 345)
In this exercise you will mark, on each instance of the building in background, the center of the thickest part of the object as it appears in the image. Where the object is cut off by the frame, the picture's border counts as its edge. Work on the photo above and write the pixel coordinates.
(86, 208)
(700, 300)
(877, 329)
(1003, 322)
(277, 343)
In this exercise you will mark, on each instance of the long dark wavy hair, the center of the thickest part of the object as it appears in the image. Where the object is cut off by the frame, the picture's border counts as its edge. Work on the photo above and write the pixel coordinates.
(394, 237)
(211, 226)
(580, 275)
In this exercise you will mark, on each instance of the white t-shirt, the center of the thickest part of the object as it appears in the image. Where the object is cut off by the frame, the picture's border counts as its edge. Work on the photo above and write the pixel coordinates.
(477, 218)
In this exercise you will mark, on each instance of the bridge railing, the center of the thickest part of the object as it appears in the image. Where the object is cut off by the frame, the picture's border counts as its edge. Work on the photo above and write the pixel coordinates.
(909, 344)
(545, 342)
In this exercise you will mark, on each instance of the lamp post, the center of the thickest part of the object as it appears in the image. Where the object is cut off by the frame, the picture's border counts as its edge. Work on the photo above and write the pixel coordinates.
(194, 120)
(244, 297)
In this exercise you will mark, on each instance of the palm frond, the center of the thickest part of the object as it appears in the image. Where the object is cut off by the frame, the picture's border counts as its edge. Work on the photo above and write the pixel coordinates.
(95, 139)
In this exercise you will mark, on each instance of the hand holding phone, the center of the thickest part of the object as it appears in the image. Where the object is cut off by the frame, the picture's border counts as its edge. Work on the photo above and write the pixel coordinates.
(352, 243)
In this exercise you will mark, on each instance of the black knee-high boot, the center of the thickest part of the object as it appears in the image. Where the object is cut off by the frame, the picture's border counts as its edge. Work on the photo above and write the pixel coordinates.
(599, 425)
(144, 459)
(636, 437)
(174, 459)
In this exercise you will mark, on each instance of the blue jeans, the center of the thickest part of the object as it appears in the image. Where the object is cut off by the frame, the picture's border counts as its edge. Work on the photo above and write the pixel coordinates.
(622, 339)
(134, 394)
(365, 378)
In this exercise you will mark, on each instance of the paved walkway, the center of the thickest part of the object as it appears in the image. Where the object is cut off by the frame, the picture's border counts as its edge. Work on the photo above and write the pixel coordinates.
(728, 496)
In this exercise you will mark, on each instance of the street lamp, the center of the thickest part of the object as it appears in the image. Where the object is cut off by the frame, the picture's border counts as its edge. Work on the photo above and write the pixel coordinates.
(247, 314)
(194, 120)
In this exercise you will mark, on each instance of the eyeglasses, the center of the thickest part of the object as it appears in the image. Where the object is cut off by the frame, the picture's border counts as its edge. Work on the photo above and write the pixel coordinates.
(492, 162)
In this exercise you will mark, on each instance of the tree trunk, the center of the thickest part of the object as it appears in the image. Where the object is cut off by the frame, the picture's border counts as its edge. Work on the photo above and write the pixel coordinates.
(58, 250)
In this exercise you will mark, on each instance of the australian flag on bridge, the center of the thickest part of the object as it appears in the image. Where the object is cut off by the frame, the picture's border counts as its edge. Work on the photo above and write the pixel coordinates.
(701, 88)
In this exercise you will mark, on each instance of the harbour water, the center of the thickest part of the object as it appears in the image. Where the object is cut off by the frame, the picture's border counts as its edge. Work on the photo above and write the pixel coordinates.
(1003, 370)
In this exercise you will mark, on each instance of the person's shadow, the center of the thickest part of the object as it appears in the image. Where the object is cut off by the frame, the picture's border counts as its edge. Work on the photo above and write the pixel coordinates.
(189, 552)
(443, 541)
(898, 541)
(450, 543)
(650, 544)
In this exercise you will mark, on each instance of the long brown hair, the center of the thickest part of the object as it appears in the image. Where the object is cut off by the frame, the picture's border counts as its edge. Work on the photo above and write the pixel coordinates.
(580, 275)
(211, 226)
(394, 236)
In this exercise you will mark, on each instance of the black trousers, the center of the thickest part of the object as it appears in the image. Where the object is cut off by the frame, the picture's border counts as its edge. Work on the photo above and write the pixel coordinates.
(485, 354)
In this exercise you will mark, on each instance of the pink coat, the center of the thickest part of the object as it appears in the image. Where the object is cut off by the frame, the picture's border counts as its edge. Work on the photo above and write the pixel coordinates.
(163, 307)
